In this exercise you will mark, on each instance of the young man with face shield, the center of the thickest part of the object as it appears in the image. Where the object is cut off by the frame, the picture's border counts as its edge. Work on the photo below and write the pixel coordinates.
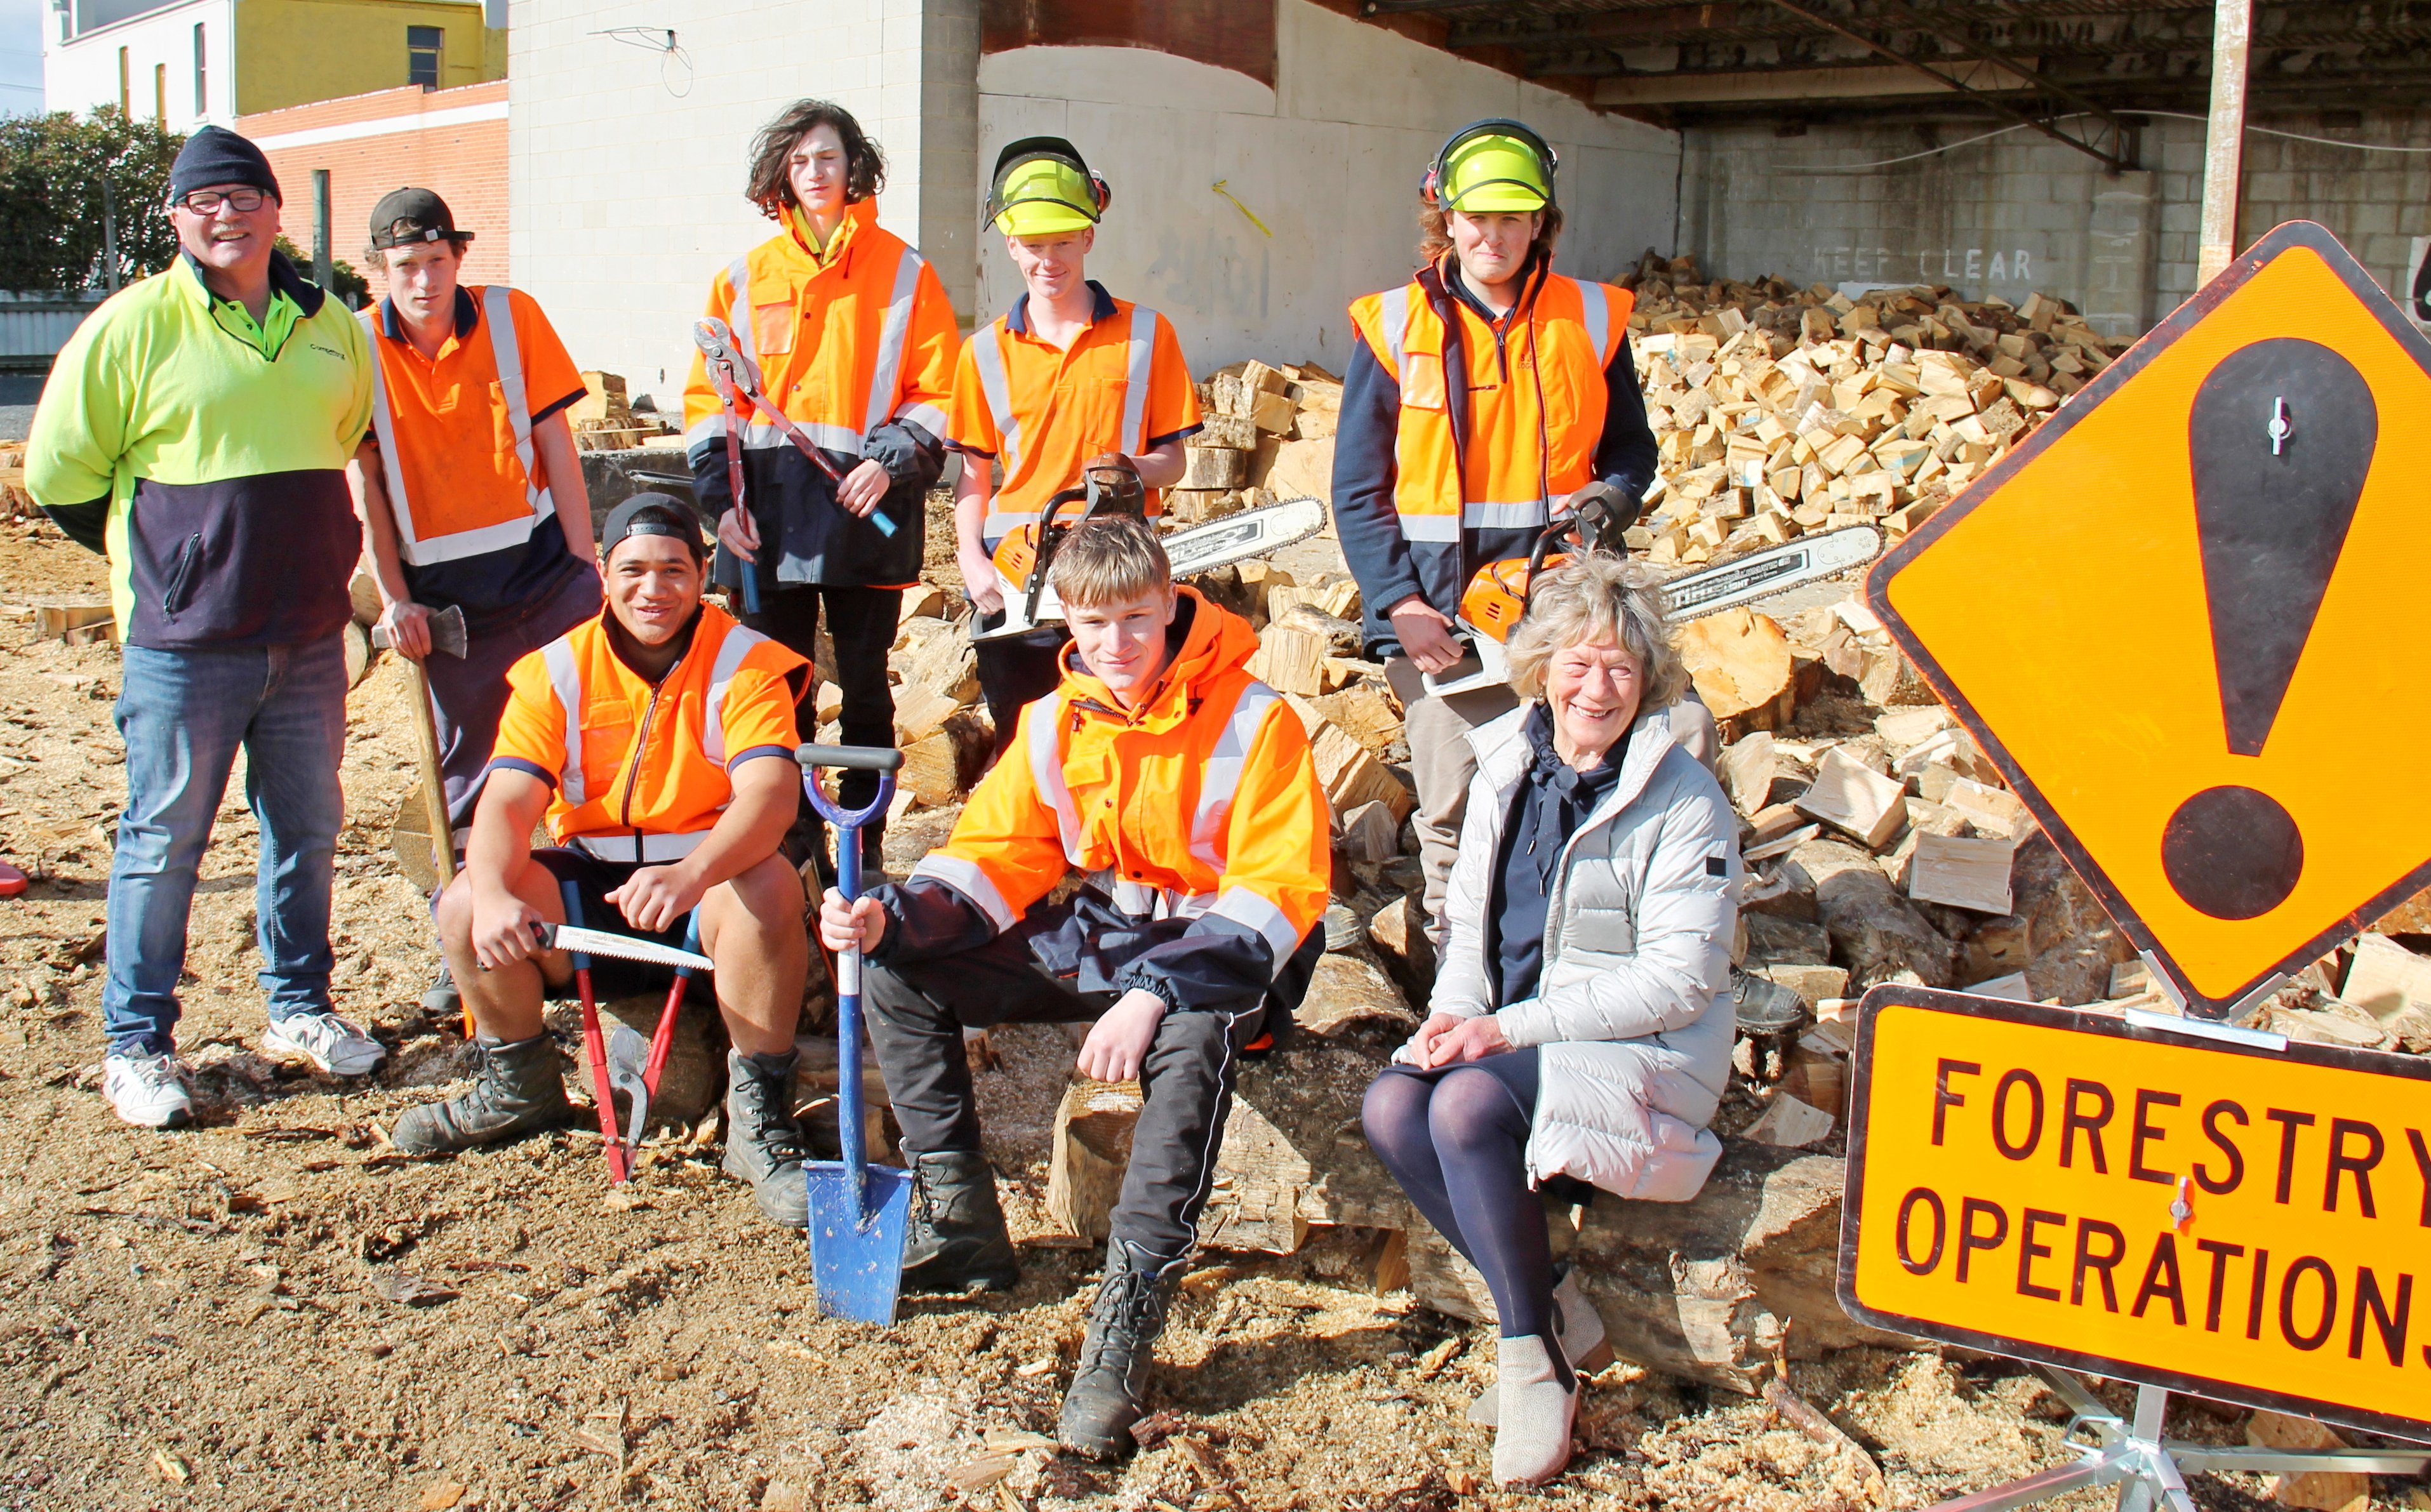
(1479, 396)
(1068, 379)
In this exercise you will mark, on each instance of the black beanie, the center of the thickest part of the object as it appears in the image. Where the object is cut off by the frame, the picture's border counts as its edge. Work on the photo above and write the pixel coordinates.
(215, 155)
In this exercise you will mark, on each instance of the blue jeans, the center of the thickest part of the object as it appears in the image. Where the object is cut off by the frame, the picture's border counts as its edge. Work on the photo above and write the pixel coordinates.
(183, 715)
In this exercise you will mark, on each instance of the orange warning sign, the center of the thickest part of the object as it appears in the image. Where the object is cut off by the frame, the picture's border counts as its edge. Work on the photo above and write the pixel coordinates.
(2246, 1221)
(2184, 617)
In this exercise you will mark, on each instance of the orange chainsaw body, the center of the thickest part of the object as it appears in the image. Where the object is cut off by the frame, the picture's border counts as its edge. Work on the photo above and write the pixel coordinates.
(1498, 595)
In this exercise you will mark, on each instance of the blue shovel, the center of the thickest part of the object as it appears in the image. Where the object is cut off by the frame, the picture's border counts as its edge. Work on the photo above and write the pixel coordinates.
(858, 1211)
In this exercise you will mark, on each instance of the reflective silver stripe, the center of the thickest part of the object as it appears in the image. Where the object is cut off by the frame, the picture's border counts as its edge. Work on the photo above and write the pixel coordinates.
(1046, 719)
(1596, 305)
(1220, 776)
(1137, 899)
(1431, 527)
(887, 375)
(966, 878)
(384, 427)
(506, 355)
(558, 655)
(730, 652)
(1002, 522)
(1142, 901)
(1393, 319)
(644, 851)
(1522, 515)
(1136, 377)
(987, 355)
(928, 417)
(1253, 914)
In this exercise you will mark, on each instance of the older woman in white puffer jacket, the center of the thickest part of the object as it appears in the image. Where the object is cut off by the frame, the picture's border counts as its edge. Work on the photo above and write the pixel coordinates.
(1582, 1019)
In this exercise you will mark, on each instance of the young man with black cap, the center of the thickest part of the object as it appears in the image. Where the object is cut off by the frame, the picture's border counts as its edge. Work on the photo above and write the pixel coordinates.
(196, 428)
(452, 517)
(1069, 378)
(657, 741)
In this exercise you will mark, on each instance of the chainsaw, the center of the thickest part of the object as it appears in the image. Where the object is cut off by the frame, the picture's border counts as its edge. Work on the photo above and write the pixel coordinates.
(1496, 597)
(1024, 557)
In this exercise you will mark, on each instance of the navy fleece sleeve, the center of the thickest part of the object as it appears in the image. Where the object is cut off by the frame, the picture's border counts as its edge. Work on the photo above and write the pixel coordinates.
(1364, 517)
(1626, 455)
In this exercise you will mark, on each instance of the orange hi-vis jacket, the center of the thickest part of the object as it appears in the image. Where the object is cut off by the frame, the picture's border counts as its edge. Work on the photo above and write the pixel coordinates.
(1497, 421)
(1044, 411)
(857, 348)
(455, 433)
(1201, 807)
(640, 772)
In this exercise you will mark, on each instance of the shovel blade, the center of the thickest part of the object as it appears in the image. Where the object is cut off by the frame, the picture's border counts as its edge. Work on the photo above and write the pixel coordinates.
(857, 1251)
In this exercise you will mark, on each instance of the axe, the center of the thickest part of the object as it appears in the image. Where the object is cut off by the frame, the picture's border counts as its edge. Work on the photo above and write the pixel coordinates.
(447, 638)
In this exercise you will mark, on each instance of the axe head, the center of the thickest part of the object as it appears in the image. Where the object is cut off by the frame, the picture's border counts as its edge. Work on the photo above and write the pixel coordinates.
(447, 633)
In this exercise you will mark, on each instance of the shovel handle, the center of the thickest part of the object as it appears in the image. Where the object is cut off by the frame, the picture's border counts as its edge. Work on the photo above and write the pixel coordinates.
(849, 1130)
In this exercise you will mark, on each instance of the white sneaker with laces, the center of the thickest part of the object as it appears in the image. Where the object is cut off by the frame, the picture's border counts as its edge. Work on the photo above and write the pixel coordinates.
(147, 1090)
(328, 1041)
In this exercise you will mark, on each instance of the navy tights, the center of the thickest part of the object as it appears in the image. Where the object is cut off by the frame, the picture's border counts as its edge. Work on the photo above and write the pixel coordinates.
(1457, 1141)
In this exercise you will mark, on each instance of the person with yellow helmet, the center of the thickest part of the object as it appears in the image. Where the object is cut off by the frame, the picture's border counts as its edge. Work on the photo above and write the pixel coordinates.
(1067, 379)
(846, 330)
(1479, 396)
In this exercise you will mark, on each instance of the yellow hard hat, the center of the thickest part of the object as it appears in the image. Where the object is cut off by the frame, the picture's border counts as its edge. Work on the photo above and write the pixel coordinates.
(1043, 188)
(1494, 166)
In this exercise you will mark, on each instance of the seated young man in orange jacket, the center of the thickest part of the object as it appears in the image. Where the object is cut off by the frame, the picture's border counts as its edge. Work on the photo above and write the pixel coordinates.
(1183, 788)
(659, 739)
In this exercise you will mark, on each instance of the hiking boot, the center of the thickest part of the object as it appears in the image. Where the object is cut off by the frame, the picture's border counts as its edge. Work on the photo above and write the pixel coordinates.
(956, 1239)
(764, 1144)
(517, 1089)
(147, 1090)
(440, 999)
(1109, 1388)
(329, 1042)
(1577, 1327)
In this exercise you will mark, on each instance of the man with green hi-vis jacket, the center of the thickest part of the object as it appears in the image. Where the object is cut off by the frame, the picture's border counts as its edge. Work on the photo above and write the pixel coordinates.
(196, 428)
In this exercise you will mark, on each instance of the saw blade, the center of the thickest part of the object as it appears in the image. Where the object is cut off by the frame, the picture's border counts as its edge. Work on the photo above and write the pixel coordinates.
(1761, 574)
(622, 947)
(1240, 536)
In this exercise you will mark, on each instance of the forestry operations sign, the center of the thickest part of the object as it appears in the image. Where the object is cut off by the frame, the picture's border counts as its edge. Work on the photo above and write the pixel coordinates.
(2184, 620)
(2248, 1222)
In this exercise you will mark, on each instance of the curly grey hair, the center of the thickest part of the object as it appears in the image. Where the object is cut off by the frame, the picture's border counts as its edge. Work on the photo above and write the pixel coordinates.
(1596, 596)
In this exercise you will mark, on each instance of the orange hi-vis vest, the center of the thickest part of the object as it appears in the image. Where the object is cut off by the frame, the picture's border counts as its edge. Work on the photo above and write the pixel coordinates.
(841, 344)
(640, 773)
(1486, 445)
(1202, 803)
(469, 500)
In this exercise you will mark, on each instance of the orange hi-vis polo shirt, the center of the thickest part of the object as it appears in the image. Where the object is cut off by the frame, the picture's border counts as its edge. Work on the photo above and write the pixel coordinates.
(640, 772)
(455, 430)
(1122, 386)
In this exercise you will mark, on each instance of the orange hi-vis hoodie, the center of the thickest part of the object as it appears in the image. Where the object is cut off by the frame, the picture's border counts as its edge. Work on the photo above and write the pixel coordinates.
(1197, 816)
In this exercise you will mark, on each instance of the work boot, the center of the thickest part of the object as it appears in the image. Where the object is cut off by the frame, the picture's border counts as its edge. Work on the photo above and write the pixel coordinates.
(1108, 1390)
(440, 999)
(517, 1089)
(764, 1144)
(1577, 1327)
(957, 1240)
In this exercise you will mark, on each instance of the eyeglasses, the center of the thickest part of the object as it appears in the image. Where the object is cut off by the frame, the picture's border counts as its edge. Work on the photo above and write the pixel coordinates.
(208, 201)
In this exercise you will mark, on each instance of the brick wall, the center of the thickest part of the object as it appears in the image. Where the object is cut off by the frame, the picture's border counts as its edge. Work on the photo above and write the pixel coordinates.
(451, 141)
(2019, 212)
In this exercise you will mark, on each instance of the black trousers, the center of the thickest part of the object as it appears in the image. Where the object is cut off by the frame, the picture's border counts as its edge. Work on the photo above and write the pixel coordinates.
(917, 1015)
(1016, 670)
(861, 622)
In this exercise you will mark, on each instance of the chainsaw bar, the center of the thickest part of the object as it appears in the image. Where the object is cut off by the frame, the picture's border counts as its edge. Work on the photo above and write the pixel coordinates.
(1763, 573)
(1199, 549)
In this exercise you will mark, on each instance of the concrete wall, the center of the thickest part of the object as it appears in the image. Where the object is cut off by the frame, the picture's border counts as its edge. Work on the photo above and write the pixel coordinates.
(451, 141)
(1328, 159)
(626, 162)
(2019, 212)
(82, 75)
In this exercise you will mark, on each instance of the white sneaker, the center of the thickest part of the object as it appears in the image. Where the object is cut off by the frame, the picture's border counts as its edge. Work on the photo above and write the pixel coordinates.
(147, 1090)
(328, 1041)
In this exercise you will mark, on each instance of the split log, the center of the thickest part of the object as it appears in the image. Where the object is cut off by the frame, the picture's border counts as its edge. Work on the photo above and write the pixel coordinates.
(1740, 663)
(1962, 873)
(1398, 933)
(1371, 833)
(1301, 470)
(1711, 1289)
(2387, 980)
(945, 663)
(1092, 1146)
(1875, 933)
(1848, 795)
(942, 766)
(1213, 467)
(1365, 713)
(1352, 775)
(1290, 660)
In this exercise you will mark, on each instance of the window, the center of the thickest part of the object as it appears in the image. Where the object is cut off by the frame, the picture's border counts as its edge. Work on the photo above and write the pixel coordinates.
(421, 46)
(161, 95)
(202, 76)
(126, 98)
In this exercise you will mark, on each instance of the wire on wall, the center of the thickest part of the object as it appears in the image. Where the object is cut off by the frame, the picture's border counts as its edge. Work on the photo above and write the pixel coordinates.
(661, 41)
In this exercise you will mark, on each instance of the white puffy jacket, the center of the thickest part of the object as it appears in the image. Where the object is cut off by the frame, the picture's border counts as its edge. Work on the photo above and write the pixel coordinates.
(1633, 1015)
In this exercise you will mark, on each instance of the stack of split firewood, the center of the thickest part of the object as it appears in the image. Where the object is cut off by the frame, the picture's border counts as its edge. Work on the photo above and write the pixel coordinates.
(1785, 411)
(1267, 434)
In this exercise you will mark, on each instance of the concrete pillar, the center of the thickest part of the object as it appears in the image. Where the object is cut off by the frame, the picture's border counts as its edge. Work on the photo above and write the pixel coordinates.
(2119, 240)
(949, 147)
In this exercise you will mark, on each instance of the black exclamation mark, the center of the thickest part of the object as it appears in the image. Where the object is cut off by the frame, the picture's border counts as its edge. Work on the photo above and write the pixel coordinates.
(2282, 435)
